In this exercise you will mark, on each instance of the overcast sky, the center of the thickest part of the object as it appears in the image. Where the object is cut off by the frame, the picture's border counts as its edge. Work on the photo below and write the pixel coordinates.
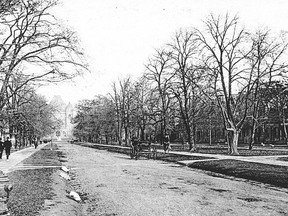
(120, 35)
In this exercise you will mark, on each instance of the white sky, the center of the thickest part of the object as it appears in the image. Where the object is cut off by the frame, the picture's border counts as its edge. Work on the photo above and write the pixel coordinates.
(120, 35)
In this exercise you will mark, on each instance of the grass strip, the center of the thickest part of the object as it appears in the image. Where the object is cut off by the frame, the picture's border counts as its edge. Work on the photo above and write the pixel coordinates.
(282, 158)
(30, 190)
(265, 173)
(44, 157)
(32, 187)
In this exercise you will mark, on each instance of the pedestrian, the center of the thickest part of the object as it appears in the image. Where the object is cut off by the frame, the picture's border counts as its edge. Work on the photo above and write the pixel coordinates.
(7, 146)
(134, 143)
(1, 147)
(166, 145)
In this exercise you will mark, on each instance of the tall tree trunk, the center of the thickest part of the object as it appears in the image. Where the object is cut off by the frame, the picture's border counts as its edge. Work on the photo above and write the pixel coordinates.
(229, 141)
(162, 134)
(189, 136)
(192, 146)
(252, 136)
(190, 139)
(234, 144)
(285, 130)
(253, 129)
(210, 131)
(119, 132)
(142, 133)
(106, 139)
(126, 136)
(190, 131)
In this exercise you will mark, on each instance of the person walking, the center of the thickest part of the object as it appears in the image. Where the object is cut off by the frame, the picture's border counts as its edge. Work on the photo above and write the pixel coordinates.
(7, 146)
(35, 143)
(166, 144)
(1, 147)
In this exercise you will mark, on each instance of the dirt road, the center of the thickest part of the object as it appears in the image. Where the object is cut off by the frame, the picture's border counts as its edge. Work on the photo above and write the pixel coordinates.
(113, 184)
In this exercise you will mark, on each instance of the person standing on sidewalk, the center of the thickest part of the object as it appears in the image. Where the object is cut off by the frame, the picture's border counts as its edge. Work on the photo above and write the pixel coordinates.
(1, 147)
(7, 146)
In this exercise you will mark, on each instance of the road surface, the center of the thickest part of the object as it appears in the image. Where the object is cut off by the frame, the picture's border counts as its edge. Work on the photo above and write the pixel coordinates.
(113, 184)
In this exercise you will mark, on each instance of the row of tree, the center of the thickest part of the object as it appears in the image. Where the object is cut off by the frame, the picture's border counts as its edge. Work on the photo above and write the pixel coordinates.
(218, 73)
(35, 49)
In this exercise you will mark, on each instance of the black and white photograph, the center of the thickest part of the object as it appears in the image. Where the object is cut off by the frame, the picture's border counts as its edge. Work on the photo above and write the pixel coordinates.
(143, 108)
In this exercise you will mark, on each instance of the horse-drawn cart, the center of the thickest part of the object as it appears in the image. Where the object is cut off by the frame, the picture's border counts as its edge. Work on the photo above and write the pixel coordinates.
(142, 148)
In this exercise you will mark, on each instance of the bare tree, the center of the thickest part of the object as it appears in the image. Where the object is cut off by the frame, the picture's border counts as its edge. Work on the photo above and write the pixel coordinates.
(100, 119)
(237, 63)
(32, 39)
(267, 64)
(159, 74)
(29, 116)
(275, 97)
(83, 120)
(117, 110)
(122, 98)
(140, 109)
(186, 91)
(225, 50)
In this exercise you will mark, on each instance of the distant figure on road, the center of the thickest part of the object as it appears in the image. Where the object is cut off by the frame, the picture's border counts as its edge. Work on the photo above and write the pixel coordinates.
(166, 145)
(134, 144)
(35, 144)
(7, 146)
(1, 147)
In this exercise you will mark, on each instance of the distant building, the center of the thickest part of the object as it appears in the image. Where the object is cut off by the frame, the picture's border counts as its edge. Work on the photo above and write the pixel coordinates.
(63, 114)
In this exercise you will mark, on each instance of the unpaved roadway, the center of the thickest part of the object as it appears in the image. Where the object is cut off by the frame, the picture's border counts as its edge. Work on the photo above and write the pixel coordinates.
(113, 184)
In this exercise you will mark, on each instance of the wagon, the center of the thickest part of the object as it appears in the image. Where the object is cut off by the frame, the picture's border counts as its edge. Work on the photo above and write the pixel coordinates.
(142, 148)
